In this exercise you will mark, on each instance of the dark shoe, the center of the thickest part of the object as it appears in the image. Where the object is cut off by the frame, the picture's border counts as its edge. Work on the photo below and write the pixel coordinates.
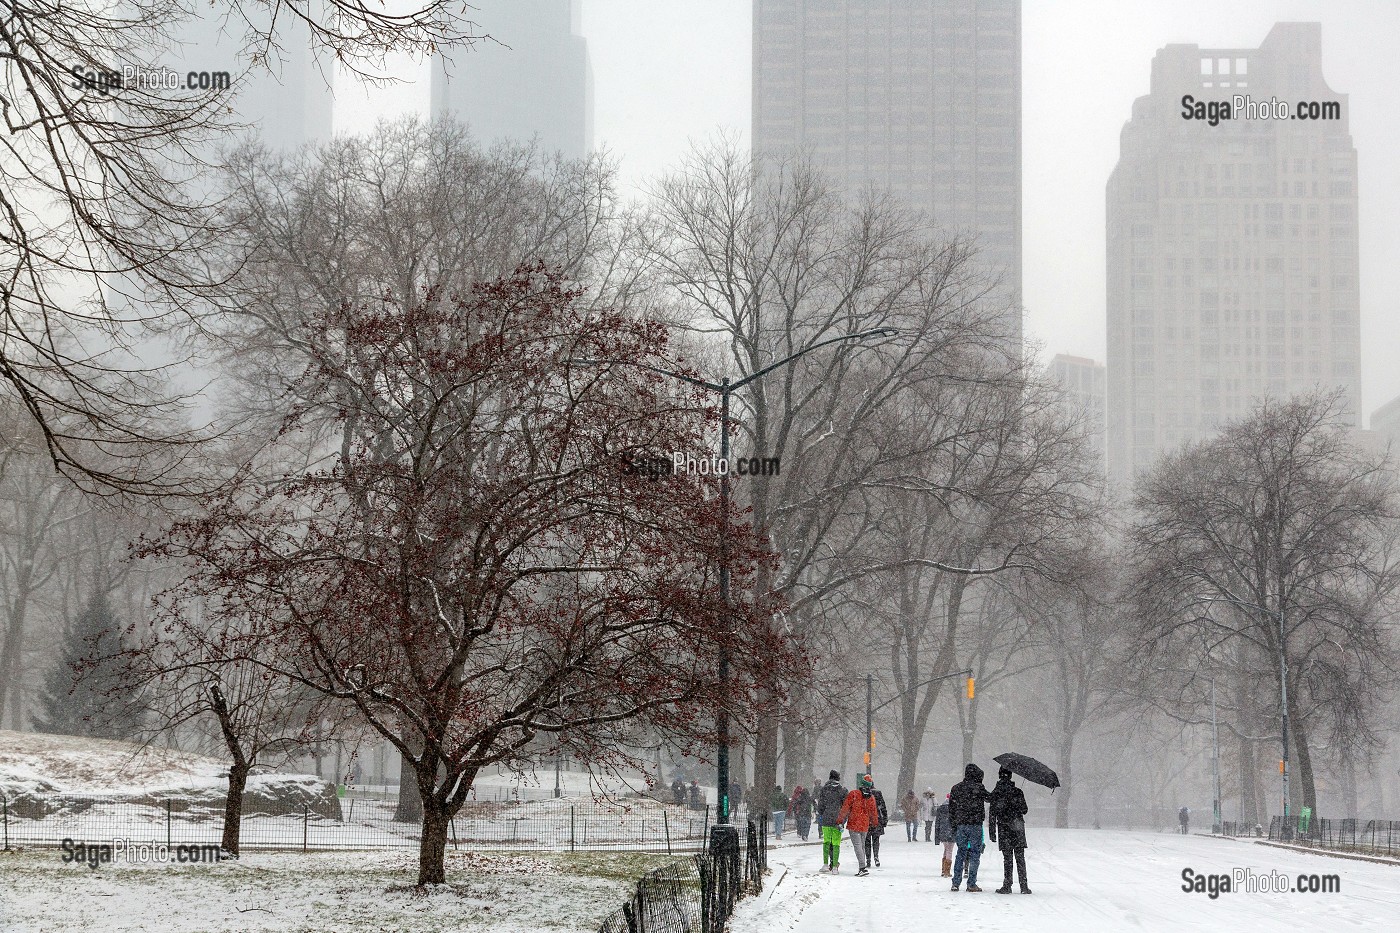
(973, 889)
(1005, 889)
(1025, 890)
(877, 863)
(955, 887)
(862, 873)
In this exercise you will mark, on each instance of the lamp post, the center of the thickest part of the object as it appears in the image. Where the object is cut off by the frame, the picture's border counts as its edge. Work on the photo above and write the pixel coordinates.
(871, 710)
(725, 388)
(1283, 686)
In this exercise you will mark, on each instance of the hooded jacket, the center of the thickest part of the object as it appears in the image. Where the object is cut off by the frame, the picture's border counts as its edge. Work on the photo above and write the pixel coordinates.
(966, 806)
(1007, 812)
(860, 812)
(942, 824)
(800, 806)
(909, 807)
(829, 800)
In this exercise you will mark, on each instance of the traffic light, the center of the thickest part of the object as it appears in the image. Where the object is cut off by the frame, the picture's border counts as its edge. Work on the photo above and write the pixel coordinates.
(872, 738)
(971, 688)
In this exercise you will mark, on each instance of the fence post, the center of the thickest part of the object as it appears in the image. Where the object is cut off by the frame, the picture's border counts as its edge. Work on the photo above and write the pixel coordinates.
(167, 822)
(572, 815)
(453, 823)
(667, 824)
(6, 802)
(305, 823)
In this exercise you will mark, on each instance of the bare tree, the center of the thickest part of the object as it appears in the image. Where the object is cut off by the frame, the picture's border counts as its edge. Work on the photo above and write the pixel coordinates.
(1286, 518)
(99, 196)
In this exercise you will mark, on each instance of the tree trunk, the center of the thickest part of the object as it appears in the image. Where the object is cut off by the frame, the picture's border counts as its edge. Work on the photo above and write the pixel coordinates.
(1249, 800)
(410, 808)
(432, 847)
(1306, 793)
(798, 753)
(765, 756)
(233, 806)
(1066, 772)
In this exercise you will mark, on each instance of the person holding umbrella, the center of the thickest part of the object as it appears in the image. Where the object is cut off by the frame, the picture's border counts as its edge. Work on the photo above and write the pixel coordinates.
(1006, 819)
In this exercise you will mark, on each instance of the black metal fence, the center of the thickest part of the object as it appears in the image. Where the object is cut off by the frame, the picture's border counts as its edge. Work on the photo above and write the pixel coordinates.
(1229, 828)
(355, 823)
(1375, 837)
(697, 895)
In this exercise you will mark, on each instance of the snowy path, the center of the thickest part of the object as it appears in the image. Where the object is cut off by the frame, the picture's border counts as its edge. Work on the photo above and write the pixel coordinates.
(1084, 881)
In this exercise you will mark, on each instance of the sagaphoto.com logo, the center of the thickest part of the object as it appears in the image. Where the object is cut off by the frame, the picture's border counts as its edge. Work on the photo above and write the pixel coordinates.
(146, 79)
(680, 463)
(134, 852)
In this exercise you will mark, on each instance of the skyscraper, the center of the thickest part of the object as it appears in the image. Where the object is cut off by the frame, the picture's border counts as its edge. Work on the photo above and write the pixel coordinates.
(1232, 244)
(531, 79)
(1085, 384)
(922, 97)
(287, 103)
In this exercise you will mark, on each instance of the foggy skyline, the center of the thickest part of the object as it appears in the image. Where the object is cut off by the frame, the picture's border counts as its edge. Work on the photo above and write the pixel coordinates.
(666, 77)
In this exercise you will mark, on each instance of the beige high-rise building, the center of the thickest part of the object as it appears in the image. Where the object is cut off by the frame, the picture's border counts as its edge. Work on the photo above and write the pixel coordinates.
(1232, 244)
(921, 97)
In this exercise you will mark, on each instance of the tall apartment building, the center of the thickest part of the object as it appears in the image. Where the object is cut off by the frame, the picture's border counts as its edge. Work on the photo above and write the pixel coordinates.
(1232, 245)
(531, 80)
(1085, 382)
(921, 97)
(287, 104)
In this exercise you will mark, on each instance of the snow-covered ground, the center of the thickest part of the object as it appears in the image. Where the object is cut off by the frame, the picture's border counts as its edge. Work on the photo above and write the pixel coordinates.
(323, 892)
(1084, 881)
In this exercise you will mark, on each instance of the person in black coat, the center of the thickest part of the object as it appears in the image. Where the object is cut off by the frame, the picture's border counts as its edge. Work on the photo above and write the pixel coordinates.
(829, 800)
(1008, 829)
(966, 812)
(872, 838)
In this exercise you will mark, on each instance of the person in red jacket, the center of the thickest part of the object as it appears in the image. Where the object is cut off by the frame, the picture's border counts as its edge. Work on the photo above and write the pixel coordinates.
(861, 814)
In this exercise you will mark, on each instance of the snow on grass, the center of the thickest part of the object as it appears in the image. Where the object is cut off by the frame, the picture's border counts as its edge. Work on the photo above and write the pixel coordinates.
(333, 892)
(72, 764)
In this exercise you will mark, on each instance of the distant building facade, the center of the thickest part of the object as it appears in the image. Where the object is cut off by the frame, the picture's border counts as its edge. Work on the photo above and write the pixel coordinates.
(921, 97)
(1385, 423)
(1085, 382)
(531, 80)
(1232, 248)
(286, 104)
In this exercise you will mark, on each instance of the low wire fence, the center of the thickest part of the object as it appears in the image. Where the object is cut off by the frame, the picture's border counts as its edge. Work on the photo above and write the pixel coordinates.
(697, 895)
(356, 823)
(1375, 837)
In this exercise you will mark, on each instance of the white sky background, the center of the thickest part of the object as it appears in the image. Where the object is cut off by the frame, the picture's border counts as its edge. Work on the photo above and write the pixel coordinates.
(667, 72)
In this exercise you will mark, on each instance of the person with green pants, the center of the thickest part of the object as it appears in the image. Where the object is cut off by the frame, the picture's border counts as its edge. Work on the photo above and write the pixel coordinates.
(829, 800)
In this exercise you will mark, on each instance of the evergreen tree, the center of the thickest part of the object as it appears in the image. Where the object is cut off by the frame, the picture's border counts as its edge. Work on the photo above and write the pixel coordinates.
(84, 693)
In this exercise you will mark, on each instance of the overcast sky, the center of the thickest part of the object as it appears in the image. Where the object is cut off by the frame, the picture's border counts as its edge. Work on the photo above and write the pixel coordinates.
(667, 72)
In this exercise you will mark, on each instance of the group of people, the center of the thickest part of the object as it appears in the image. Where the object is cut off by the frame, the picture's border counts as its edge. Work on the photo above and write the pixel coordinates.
(956, 822)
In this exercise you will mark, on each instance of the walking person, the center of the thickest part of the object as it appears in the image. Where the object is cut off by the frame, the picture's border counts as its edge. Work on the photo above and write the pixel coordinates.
(800, 809)
(872, 839)
(909, 809)
(943, 832)
(966, 810)
(829, 801)
(777, 803)
(860, 814)
(1006, 822)
(1184, 815)
(928, 805)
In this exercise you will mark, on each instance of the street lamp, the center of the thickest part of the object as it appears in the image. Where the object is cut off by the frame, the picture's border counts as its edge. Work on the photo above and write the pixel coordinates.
(726, 388)
(1282, 679)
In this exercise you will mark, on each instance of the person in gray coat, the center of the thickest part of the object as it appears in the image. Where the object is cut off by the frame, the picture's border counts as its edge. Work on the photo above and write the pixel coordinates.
(943, 832)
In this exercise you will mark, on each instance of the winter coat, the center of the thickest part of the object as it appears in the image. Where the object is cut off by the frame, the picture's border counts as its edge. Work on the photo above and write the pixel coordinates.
(909, 807)
(942, 825)
(860, 812)
(800, 806)
(778, 800)
(1007, 812)
(829, 800)
(884, 814)
(927, 804)
(966, 806)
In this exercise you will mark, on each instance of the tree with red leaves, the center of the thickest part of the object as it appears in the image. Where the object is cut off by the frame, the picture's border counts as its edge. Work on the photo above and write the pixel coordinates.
(477, 571)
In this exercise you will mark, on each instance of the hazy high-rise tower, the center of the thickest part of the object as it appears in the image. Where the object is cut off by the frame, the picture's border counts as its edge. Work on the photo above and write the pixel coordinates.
(531, 79)
(286, 103)
(1232, 244)
(922, 97)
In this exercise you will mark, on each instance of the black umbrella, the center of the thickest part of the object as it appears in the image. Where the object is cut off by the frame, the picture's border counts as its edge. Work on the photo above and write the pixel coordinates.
(1028, 768)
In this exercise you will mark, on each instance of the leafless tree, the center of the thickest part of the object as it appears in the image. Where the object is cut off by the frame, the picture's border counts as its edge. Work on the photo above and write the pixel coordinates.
(104, 228)
(1283, 514)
